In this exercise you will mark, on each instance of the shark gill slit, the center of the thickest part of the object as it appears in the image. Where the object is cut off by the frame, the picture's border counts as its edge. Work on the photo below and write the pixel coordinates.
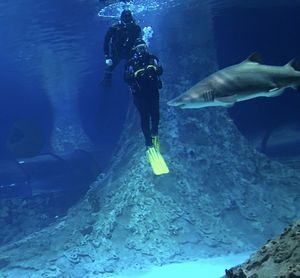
(208, 96)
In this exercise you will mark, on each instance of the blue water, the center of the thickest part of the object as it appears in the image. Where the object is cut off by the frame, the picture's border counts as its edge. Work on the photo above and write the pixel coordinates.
(36, 42)
(47, 47)
(51, 66)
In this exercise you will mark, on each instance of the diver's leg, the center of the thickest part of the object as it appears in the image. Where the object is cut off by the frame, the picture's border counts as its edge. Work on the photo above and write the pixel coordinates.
(154, 110)
(107, 80)
(142, 107)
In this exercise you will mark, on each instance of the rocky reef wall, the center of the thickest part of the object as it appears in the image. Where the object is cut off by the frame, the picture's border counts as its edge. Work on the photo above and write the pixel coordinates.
(279, 257)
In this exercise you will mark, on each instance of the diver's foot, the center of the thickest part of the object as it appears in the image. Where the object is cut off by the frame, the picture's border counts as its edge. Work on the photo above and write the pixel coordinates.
(155, 142)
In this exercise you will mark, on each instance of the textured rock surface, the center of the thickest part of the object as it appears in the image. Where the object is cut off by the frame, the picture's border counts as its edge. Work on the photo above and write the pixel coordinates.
(19, 217)
(220, 196)
(279, 257)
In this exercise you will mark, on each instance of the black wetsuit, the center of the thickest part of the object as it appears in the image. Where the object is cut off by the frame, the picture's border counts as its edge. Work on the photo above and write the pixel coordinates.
(118, 43)
(142, 73)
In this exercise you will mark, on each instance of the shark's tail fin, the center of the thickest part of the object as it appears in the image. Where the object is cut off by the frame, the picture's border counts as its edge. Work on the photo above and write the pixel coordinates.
(294, 63)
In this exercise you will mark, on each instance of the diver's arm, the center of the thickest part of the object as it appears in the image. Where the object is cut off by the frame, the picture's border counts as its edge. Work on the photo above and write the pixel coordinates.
(128, 74)
(107, 39)
(154, 61)
(159, 68)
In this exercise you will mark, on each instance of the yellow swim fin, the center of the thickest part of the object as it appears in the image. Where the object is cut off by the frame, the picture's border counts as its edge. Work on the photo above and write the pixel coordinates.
(157, 162)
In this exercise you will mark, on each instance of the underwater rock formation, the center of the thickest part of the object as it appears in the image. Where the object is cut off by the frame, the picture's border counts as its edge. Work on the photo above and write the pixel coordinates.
(221, 195)
(68, 134)
(279, 257)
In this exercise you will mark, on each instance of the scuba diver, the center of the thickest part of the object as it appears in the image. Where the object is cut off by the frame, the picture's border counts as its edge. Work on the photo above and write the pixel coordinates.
(118, 43)
(142, 74)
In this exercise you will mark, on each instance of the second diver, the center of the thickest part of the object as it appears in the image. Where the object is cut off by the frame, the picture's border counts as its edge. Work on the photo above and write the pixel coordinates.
(118, 42)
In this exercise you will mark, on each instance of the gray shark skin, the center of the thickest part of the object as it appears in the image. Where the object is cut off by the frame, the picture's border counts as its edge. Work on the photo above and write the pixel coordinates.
(247, 80)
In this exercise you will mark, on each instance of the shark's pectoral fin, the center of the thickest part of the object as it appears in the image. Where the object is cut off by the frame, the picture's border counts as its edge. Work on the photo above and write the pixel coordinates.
(229, 105)
(275, 92)
(227, 100)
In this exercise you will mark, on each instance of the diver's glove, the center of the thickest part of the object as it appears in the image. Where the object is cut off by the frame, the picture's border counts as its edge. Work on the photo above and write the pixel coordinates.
(108, 62)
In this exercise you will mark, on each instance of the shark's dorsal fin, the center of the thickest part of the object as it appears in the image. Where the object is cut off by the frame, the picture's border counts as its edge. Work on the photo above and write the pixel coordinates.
(254, 58)
(294, 63)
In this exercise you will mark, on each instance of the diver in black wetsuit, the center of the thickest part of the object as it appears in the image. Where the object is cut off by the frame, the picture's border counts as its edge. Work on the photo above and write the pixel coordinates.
(118, 43)
(142, 73)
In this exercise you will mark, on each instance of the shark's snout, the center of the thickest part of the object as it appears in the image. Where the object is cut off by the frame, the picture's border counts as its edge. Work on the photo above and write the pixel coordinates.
(173, 102)
(177, 102)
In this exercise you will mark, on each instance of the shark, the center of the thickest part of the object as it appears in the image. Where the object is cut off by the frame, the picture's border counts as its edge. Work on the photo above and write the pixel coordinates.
(246, 80)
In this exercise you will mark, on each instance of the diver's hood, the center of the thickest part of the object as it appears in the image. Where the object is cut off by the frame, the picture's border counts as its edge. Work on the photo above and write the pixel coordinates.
(126, 17)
